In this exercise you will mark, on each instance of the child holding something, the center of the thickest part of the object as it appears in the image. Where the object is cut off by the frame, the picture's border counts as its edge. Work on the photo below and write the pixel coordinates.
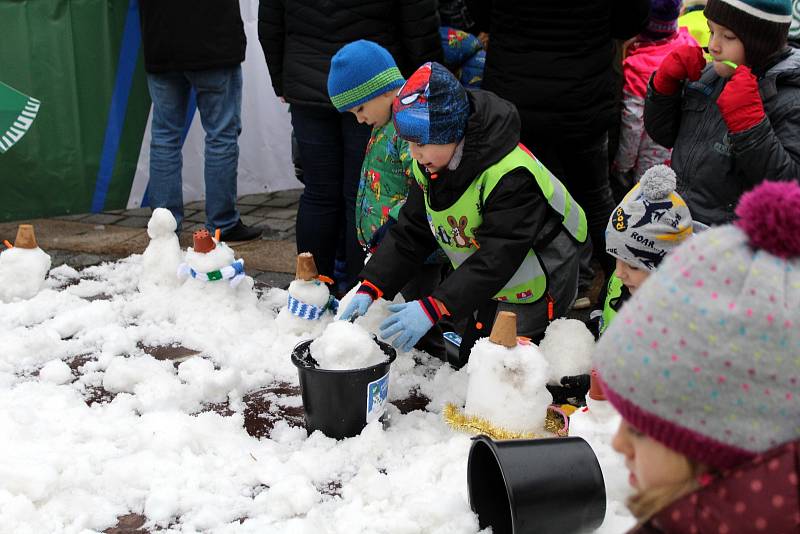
(702, 365)
(650, 221)
(363, 80)
(736, 121)
(510, 229)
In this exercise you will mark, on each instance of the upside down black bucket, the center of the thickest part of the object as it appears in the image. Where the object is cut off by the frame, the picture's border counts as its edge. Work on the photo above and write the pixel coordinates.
(340, 403)
(536, 486)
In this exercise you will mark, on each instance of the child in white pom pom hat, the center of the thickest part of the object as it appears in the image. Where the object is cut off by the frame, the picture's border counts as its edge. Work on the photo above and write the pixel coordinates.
(650, 221)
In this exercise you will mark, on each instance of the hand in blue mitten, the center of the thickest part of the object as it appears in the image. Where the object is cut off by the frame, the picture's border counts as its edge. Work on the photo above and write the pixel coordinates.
(410, 321)
(361, 301)
(357, 306)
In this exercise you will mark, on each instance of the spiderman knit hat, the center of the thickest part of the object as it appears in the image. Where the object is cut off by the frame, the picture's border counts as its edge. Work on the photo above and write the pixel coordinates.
(761, 25)
(651, 221)
(359, 72)
(704, 356)
(432, 107)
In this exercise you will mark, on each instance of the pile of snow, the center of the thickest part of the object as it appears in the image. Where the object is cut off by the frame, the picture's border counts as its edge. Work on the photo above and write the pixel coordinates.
(567, 346)
(162, 256)
(344, 345)
(22, 272)
(508, 386)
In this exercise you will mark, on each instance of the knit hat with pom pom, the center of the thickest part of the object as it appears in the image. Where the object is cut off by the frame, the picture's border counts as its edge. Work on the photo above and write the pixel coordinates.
(704, 356)
(651, 220)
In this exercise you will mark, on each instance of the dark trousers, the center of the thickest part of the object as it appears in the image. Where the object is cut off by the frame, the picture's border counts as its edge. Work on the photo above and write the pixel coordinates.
(331, 147)
(582, 166)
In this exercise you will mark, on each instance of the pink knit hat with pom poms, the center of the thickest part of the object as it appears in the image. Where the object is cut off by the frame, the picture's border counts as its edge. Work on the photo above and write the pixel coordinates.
(703, 357)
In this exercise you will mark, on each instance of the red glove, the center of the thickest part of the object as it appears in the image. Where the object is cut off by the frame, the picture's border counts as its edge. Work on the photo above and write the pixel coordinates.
(685, 62)
(740, 101)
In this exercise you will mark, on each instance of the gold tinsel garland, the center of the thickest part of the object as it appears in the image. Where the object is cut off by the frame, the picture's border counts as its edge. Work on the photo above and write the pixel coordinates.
(472, 424)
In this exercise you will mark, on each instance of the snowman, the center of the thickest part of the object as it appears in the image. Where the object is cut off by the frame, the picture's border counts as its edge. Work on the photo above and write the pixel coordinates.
(310, 305)
(210, 260)
(163, 255)
(23, 267)
(567, 346)
(506, 393)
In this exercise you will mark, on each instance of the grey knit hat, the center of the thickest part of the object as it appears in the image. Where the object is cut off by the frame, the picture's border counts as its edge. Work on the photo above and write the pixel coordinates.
(761, 25)
(651, 220)
(705, 356)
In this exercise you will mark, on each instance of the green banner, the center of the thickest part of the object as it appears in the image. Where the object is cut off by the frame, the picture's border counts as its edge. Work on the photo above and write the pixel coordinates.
(17, 112)
(82, 59)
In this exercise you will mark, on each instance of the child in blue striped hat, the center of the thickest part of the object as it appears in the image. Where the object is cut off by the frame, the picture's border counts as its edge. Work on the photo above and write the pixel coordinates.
(364, 80)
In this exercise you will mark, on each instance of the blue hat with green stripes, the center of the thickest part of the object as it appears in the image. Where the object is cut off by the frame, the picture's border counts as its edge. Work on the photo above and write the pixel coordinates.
(359, 72)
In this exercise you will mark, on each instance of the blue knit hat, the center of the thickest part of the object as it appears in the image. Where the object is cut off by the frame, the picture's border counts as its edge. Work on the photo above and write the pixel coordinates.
(432, 107)
(663, 19)
(359, 72)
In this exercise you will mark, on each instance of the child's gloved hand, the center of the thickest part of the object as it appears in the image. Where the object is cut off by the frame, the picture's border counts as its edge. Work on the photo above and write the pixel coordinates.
(361, 301)
(685, 62)
(740, 102)
(410, 321)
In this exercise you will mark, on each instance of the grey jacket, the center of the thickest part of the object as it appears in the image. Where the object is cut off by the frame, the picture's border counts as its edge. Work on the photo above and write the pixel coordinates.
(715, 167)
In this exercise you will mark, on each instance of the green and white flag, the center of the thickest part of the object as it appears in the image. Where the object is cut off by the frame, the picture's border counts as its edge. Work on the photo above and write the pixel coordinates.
(17, 111)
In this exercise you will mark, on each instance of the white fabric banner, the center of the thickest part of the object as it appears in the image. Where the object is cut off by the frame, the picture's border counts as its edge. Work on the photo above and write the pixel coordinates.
(265, 152)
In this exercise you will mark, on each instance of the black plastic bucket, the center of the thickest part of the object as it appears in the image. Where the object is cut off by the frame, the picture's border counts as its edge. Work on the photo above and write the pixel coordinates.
(340, 403)
(541, 486)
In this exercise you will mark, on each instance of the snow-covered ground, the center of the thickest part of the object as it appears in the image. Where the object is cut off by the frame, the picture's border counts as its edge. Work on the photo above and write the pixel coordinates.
(93, 427)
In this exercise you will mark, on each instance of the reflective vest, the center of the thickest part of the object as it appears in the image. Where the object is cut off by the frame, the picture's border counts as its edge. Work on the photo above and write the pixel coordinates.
(455, 228)
(611, 304)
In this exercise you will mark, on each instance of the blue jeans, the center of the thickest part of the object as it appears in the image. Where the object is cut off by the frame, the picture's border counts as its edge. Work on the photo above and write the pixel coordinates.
(331, 148)
(219, 101)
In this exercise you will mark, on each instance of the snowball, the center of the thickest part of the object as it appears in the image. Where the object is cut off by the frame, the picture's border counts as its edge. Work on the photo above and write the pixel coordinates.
(567, 346)
(507, 386)
(216, 259)
(344, 345)
(311, 292)
(161, 224)
(22, 272)
(55, 372)
(163, 255)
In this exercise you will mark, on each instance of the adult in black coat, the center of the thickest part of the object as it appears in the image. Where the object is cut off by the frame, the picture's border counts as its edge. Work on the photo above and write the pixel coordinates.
(299, 39)
(196, 44)
(553, 59)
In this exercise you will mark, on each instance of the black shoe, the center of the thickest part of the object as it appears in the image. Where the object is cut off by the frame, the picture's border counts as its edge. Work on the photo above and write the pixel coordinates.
(240, 232)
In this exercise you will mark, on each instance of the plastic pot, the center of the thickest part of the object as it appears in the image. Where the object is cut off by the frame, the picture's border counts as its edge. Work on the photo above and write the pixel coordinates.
(340, 403)
(536, 486)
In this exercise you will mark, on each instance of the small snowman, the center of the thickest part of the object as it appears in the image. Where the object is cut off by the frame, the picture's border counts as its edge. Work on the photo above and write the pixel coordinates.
(163, 255)
(211, 260)
(506, 393)
(23, 267)
(310, 305)
(567, 345)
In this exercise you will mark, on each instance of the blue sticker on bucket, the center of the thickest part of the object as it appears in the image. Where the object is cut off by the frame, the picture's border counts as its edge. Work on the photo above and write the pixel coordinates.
(377, 394)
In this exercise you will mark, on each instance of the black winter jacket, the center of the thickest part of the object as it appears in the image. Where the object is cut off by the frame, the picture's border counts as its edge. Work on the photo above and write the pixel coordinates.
(553, 59)
(516, 217)
(191, 34)
(714, 167)
(300, 38)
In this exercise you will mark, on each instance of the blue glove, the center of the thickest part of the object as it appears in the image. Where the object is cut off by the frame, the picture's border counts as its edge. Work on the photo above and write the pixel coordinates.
(410, 321)
(357, 307)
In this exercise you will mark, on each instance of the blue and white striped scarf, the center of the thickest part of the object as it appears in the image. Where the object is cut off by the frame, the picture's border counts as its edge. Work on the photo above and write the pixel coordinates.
(309, 311)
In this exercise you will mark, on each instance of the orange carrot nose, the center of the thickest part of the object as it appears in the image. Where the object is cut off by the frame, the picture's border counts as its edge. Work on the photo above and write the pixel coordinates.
(217, 234)
(7, 244)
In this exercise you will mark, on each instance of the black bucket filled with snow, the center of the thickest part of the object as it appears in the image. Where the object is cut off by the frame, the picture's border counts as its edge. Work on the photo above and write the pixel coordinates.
(340, 402)
(541, 486)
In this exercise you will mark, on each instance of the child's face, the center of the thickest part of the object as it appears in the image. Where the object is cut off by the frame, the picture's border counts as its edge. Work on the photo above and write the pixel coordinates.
(649, 463)
(631, 276)
(724, 45)
(433, 157)
(376, 112)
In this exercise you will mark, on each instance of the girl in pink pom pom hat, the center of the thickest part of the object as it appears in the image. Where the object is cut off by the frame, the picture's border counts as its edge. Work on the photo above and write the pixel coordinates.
(703, 364)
